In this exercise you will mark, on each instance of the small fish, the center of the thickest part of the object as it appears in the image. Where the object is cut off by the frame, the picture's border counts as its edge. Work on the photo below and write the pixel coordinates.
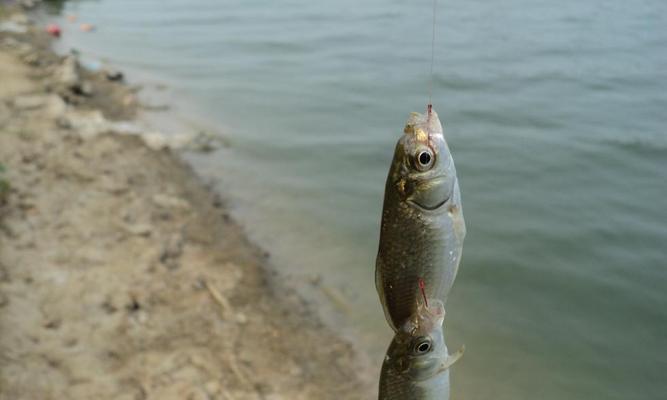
(417, 363)
(422, 230)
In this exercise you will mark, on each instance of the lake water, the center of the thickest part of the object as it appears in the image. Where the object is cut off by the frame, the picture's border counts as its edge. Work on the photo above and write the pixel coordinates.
(556, 113)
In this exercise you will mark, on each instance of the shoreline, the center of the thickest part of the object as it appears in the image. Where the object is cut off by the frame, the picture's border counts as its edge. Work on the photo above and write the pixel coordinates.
(121, 274)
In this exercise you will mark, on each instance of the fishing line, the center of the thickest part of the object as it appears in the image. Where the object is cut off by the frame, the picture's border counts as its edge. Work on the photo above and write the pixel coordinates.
(422, 287)
(430, 88)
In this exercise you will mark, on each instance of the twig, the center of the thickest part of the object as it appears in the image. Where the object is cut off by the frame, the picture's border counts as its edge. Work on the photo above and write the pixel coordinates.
(227, 309)
(237, 371)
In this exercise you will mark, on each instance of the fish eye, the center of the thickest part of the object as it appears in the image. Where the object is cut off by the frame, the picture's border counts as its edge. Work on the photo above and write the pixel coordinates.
(422, 346)
(424, 160)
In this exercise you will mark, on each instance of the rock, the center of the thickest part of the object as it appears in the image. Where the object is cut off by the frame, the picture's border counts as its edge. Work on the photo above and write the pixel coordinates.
(113, 186)
(212, 388)
(20, 19)
(84, 88)
(30, 102)
(156, 107)
(88, 124)
(274, 396)
(166, 201)
(4, 113)
(241, 318)
(114, 75)
(63, 123)
(23, 49)
(29, 4)
(32, 59)
(55, 106)
(315, 279)
(130, 100)
(4, 275)
(68, 72)
(205, 142)
(198, 141)
(127, 127)
(244, 395)
(138, 229)
(196, 394)
(10, 42)
(172, 250)
(12, 27)
(52, 323)
(155, 140)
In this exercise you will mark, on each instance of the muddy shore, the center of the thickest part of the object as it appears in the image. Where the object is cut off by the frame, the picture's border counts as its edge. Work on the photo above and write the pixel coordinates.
(122, 276)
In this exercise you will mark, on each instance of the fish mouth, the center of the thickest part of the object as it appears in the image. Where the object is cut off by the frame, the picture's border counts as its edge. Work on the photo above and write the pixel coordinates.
(429, 207)
(431, 194)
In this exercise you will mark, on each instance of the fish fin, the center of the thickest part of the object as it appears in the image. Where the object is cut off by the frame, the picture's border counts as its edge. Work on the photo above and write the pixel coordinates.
(379, 286)
(451, 359)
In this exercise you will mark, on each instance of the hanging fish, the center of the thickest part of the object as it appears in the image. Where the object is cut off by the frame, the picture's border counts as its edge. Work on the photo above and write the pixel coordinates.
(422, 229)
(417, 363)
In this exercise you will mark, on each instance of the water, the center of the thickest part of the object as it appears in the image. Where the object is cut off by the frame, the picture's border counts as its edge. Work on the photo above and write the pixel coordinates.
(556, 114)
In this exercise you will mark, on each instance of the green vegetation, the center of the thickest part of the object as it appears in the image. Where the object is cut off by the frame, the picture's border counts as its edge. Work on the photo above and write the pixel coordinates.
(4, 186)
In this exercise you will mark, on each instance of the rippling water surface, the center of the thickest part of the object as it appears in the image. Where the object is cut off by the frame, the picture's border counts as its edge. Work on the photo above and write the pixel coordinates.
(556, 113)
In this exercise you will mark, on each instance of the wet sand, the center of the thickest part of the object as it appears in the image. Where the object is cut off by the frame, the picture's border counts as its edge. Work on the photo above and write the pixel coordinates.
(122, 276)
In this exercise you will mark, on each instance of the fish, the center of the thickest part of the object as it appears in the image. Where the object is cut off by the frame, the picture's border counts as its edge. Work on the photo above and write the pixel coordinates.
(422, 226)
(417, 362)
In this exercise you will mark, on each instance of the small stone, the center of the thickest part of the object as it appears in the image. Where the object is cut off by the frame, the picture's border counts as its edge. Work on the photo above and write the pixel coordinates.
(55, 106)
(217, 201)
(155, 141)
(205, 142)
(244, 395)
(114, 75)
(29, 102)
(4, 300)
(130, 100)
(197, 394)
(4, 275)
(63, 123)
(133, 305)
(166, 201)
(199, 284)
(20, 19)
(171, 251)
(212, 388)
(68, 73)
(28, 4)
(241, 318)
(10, 42)
(83, 89)
(32, 59)
(315, 279)
(53, 324)
(138, 229)
(88, 124)
(24, 49)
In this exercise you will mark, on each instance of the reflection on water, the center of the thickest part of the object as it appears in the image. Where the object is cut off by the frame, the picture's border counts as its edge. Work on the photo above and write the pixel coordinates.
(555, 113)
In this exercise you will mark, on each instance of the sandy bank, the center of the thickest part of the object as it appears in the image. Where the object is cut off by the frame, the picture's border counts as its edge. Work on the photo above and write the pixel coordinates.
(121, 275)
